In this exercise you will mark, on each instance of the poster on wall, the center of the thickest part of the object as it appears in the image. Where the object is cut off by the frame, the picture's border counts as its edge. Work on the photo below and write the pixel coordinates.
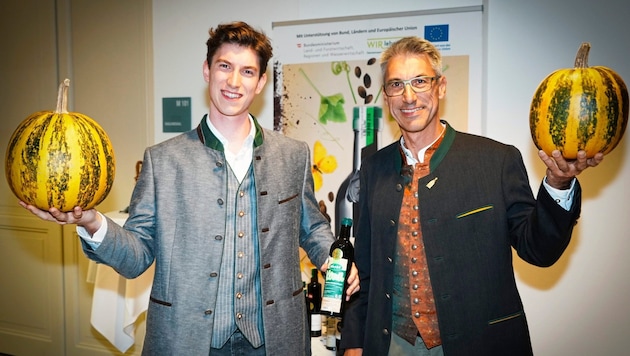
(328, 89)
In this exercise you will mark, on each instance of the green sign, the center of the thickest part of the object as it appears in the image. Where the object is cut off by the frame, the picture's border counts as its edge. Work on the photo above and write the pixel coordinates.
(176, 115)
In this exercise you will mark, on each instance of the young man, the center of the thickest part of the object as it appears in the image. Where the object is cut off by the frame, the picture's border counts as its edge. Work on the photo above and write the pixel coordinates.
(440, 212)
(222, 210)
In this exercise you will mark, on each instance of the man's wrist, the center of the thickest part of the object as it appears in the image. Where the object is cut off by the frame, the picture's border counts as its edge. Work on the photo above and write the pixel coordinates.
(93, 226)
(559, 184)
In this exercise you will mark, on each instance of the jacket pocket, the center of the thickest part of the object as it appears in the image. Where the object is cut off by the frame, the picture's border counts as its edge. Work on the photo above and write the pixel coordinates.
(160, 302)
(289, 198)
(505, 318)
(475, 211)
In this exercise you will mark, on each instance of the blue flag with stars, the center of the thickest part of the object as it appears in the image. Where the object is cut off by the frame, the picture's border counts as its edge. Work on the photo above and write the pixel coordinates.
(436, 33)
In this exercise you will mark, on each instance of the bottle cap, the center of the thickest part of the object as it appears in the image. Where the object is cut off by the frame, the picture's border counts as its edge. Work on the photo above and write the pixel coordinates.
(346, 221)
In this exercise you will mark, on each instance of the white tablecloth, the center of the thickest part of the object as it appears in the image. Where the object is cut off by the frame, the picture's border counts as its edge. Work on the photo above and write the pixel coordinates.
(318, 347)
(118, 302)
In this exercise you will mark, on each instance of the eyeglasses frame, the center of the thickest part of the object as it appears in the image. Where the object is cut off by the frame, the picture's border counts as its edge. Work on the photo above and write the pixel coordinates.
(408, 81)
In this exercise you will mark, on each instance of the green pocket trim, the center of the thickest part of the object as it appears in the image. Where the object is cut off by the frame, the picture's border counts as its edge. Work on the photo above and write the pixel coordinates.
(506, 318)
(475, 211)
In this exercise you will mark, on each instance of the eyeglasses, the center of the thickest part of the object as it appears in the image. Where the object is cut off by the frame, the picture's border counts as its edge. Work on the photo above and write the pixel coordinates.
(418, 85)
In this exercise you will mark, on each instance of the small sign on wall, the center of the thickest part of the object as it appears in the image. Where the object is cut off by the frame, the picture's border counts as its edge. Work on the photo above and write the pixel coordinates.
(176, 114)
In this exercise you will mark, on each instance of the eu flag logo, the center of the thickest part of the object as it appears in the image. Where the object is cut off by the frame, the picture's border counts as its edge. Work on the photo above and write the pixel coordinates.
(436, 33)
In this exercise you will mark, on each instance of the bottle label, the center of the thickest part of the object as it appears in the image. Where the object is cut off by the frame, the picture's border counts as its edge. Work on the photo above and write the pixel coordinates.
(316, 322)
(335, 281)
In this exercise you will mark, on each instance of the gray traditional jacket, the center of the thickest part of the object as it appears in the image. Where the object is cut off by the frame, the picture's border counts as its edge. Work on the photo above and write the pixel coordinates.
(177, 219)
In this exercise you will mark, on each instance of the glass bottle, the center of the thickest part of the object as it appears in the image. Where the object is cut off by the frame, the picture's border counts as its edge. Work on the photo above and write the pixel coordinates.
(314, 295)
(331, 333)
(366, 122)
(339, 264)
(348, 192)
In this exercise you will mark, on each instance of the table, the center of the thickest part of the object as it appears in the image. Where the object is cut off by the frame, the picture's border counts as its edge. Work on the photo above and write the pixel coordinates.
(117, 302)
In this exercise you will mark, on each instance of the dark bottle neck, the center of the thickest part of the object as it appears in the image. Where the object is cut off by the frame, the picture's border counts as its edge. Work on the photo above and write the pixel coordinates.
(344, 233)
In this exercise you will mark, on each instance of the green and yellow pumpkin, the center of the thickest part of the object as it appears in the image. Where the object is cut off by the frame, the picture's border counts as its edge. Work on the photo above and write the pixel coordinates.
(580, 108)
(60, 159)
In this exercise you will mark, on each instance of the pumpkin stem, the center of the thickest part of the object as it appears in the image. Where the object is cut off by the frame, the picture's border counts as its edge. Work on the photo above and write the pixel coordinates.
(581, 58)
(62, 97)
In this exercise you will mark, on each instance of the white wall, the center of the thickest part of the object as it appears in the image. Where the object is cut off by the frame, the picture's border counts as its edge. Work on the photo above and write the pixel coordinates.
(578, 306)
(180, 31)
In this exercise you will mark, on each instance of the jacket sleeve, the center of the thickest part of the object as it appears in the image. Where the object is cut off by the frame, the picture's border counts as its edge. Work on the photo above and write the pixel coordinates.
(316, 235)
(539, 235)
(130, 251)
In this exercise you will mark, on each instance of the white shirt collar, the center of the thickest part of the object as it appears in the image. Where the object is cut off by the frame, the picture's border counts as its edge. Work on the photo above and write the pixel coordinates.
(239, 162)
(410, 158)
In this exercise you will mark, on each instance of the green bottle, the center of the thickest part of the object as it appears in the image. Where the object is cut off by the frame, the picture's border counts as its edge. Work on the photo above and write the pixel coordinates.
(339, 264)
(314, 304)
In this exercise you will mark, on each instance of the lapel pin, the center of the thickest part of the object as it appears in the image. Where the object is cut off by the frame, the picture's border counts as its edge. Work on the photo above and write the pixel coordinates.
(432, 182)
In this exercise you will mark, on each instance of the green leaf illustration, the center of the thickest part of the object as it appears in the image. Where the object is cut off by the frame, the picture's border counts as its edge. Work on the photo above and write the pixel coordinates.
(330, 107)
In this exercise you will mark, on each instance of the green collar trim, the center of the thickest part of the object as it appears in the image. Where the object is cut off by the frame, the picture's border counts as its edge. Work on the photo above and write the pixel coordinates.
(438, 155)
(445, 145)
(210, 140)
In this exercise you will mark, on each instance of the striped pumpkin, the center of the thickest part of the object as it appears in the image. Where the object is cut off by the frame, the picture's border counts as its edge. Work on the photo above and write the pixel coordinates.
(581, 108)
(60, 159)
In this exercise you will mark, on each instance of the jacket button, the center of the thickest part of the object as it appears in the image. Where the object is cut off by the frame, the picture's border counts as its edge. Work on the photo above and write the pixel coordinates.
(214, 274)
(208, 312)
(219, 164)
(385, 332)
(218, 237)
(399, 187)
(220, 201)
